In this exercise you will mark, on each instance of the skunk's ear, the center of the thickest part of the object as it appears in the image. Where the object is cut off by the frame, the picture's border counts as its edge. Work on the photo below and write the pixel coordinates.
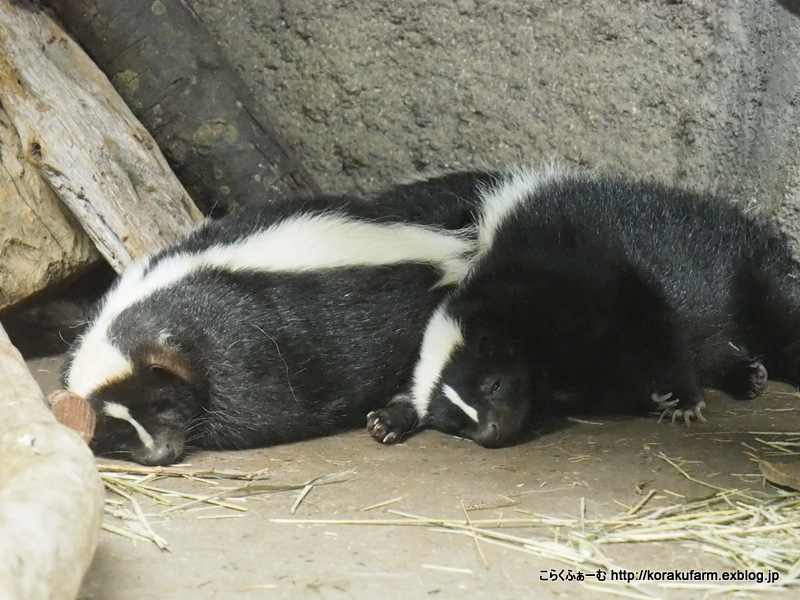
(491, 345)
(168, 363)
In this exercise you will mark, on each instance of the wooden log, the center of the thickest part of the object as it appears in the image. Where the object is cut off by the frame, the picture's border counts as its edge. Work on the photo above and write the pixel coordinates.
(74, 412)
(85, 141)
(51, 496)
(214, 133)
(41, 243)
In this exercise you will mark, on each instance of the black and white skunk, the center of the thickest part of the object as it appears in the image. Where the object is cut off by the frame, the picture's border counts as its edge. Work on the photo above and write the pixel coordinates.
(595, 291)
(269, 325)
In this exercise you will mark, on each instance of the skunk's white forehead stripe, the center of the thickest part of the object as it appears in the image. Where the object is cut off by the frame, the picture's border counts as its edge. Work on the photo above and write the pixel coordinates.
(501, 199)
(453, 396)
(96, 360)
(442, 336)
(96, 363)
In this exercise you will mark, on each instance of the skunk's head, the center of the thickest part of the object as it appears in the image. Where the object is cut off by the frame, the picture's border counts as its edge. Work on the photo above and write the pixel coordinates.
(484, 393)
(147, 415)
(147, 401)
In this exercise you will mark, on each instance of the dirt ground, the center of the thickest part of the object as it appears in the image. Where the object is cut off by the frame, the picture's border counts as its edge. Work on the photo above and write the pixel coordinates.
(600, 465)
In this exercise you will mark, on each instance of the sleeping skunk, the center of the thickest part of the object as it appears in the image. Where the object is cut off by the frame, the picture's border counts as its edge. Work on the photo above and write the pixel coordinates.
(272, 324)
(599, 292)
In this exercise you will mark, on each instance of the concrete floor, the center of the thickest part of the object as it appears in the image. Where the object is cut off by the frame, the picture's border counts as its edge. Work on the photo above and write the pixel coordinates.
(249, 555)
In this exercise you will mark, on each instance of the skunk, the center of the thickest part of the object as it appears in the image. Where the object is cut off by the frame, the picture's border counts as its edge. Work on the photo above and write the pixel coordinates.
(270, 325)
(593, 291)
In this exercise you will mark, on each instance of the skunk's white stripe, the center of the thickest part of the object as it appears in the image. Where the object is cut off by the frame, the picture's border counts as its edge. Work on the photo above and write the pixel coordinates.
(311, 242)
(453, 396)
(97, 361)
(302, 243)
(499, 201)
(305, 243)
(442, 336)
(118, 411)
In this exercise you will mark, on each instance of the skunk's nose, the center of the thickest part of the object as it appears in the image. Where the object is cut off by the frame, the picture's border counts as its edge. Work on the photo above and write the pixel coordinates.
(163, 452)
(488, 435)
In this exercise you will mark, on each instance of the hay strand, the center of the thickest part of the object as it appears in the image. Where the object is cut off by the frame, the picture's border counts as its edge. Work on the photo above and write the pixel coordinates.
(747, 532)
(128, 482)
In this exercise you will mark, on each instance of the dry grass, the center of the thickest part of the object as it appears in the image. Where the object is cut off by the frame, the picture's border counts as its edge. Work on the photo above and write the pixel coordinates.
(743, 528)
(124, 515)
(747, 531)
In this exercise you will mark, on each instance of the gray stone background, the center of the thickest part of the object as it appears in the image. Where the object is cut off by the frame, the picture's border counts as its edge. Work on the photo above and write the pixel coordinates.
(705, 93)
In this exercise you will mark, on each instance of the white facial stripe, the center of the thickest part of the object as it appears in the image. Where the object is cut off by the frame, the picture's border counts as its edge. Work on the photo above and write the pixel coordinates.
(118, 411)
(301, 243)
(453, 396)
(500, 201)
(442, 336)
(97, 362)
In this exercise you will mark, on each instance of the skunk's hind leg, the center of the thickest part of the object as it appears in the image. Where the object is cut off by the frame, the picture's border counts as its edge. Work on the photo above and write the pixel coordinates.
(745, 381)
(739, 374)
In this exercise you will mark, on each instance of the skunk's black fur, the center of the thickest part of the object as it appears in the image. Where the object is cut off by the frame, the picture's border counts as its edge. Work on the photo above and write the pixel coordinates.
(608, 293)
(566, 329)
(224, 358)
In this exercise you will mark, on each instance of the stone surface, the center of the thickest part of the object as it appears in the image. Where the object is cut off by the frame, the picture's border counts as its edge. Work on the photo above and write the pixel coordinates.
(706, 94)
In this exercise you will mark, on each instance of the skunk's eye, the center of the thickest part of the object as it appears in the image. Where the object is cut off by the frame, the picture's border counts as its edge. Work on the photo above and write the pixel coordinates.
(495, 387)
(159, 373)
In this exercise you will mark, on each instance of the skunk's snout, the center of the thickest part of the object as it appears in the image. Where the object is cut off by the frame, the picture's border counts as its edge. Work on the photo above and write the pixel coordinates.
(488, 435)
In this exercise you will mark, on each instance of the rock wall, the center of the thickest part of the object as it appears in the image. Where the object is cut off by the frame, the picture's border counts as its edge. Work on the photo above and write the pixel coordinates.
(702, 93)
